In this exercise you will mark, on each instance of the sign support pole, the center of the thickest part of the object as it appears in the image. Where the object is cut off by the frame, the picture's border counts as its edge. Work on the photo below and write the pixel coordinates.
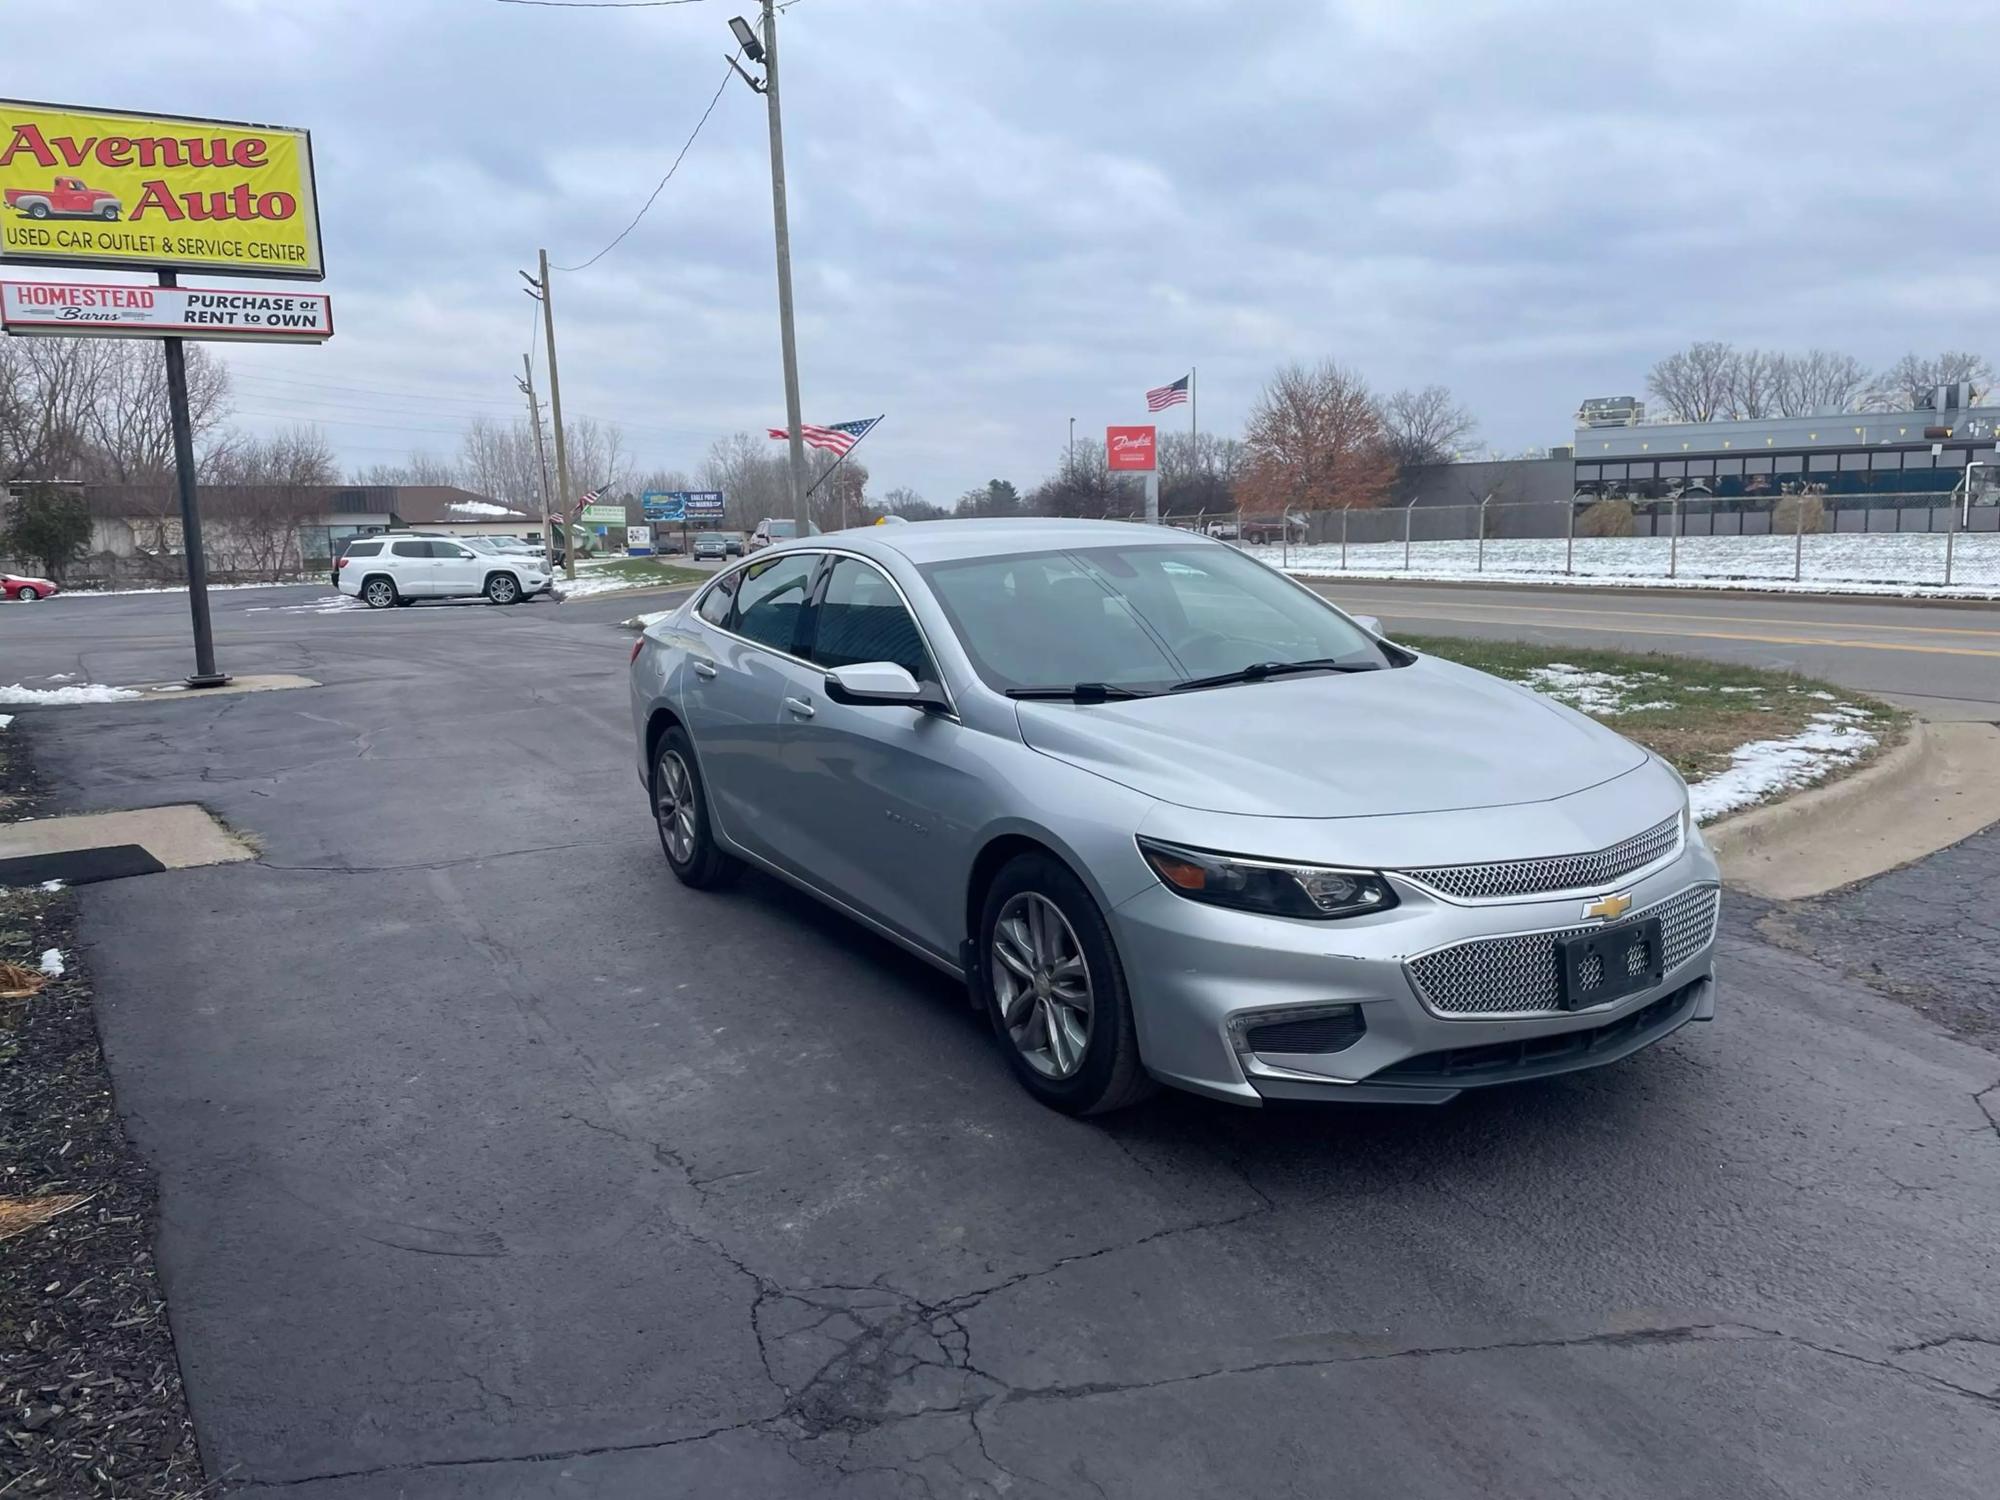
(555, 414)
(205, 674)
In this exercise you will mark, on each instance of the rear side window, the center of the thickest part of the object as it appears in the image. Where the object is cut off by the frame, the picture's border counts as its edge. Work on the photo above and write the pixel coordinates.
(863, 618)
(771, 598)
(364, 549)
(715, 603)
(410, 549)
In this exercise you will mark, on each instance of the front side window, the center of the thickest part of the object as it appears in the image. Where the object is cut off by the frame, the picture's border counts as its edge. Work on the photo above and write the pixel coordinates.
(1145, 617)
(771, 598)
(862, 618)
(451, 550)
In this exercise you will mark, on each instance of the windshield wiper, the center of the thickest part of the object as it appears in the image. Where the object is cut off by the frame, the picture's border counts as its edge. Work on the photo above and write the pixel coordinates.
(1082, 692)
(1257, 671)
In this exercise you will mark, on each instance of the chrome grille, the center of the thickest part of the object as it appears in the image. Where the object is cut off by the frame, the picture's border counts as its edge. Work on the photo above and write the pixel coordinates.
(1559, 872)
(1516, 976)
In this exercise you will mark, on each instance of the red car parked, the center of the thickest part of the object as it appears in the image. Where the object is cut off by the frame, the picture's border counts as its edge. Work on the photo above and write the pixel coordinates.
(27, 590)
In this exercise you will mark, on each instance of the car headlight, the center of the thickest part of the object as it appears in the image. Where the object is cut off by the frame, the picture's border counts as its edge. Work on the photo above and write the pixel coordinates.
(1272, 887)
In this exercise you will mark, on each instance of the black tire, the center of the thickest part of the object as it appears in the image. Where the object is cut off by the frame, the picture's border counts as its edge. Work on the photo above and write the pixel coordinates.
(704, 864)
(503, 588)
(380, 591)
(1110, 1075)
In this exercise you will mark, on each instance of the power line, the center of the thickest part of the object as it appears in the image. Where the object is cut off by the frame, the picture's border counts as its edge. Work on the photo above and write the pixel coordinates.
(670, 170)
(603, 4)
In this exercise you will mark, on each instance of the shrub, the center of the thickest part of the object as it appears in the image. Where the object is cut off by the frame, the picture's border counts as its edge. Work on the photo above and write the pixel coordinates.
(1606, 518)
(1796, 513)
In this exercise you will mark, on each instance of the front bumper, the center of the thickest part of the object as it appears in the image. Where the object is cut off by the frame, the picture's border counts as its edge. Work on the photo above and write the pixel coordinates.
(1191, 967)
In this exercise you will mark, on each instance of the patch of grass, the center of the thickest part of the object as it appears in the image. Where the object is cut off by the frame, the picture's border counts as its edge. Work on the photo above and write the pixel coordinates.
(638, 571)
(1692, 713)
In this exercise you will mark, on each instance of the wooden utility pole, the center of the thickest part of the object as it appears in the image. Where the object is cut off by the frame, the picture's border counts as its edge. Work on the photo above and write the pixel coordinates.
(541, 458)
(555, 414)
(801, 511)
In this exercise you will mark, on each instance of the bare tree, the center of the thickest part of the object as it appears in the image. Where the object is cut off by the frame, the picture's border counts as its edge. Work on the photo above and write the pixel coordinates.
(1911, 383)
(1427, 427)
(96, 409)
(755, 482)
(597, 456)
(1820, 380)
(1753, 384)
(295, 455)
(1694, 383)
(907, 503)
(418, 468)
(1315, 442)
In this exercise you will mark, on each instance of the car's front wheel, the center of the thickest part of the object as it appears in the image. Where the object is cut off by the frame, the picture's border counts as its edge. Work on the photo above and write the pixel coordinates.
(1049, 974)
(379, 593)
(680, 810)
(28, 593)
(503, 588)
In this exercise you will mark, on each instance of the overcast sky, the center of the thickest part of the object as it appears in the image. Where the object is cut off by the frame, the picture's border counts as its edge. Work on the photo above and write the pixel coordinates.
(1006, 213)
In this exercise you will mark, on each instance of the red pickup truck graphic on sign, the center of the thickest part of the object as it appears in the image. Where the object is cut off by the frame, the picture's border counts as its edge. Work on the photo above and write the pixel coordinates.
(68, 199)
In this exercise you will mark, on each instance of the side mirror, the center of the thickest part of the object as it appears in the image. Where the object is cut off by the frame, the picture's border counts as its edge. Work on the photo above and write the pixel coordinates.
(1370, 624)
(880, 684)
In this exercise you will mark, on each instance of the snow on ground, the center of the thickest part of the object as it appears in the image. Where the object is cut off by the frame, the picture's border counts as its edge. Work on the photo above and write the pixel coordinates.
(325, 604)
(52, 885)
(89, 692)
(1911, 563)
(1593, 692)
(5, 720)
(52, 964)
(165, 588)
(1763, 768)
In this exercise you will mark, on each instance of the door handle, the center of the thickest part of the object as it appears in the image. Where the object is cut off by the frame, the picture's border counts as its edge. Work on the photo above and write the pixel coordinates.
(703, 668)
(799, 708)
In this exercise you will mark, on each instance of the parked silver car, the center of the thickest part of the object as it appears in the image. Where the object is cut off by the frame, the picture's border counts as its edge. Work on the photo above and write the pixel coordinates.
(1174, 817)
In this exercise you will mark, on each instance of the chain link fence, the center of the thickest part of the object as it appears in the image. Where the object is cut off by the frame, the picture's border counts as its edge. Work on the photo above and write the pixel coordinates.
(1918, 542)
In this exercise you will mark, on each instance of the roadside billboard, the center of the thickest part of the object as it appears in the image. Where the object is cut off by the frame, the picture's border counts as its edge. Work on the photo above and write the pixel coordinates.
(61, 307)
(681, 505)
(108, 188)
(1129, 448)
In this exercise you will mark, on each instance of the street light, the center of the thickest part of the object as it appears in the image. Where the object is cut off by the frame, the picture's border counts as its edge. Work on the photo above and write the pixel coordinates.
(767, 54)
(746, 38)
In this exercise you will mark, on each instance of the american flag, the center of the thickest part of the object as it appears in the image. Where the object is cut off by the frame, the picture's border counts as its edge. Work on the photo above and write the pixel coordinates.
(836, 439)
(1160, 397)
(589, 498)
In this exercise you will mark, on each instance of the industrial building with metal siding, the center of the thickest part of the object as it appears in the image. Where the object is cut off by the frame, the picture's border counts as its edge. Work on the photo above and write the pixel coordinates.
(1842, 453)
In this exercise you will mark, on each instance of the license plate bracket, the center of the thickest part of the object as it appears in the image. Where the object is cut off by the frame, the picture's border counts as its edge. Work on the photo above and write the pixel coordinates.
(1595, 968)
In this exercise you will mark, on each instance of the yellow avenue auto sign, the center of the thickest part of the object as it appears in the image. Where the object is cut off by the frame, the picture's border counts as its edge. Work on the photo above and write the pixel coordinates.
(93, 187)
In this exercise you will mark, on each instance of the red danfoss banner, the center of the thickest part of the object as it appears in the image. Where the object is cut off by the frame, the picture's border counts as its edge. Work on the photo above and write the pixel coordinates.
(1129, 448)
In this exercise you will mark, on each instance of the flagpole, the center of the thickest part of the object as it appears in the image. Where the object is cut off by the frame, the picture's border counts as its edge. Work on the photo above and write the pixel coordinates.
(843, 459)
(1194, 406)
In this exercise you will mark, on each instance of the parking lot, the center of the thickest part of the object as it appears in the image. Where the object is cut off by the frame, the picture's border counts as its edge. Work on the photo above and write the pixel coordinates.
(494, 1161)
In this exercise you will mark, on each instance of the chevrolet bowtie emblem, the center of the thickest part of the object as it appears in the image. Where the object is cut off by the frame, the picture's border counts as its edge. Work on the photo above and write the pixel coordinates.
(1609, 908)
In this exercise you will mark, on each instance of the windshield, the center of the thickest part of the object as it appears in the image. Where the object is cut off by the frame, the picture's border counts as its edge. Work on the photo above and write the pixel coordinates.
(775, 529)
(709, 539)
(1143, 618)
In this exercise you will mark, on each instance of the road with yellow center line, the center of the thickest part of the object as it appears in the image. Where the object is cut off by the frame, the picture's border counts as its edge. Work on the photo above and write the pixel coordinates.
(1942, 661)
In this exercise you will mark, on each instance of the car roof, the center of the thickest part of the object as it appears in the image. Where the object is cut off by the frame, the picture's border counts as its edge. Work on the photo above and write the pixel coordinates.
(953, 540)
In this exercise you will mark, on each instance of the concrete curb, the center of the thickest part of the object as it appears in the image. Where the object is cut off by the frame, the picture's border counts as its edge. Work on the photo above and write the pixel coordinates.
(1940, 784)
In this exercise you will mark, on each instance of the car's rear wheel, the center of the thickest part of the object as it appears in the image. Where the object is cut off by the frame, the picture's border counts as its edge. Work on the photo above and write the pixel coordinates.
(503, 588)
(1049, 975)
(379, 593)
(38, 210)
(28, 593)
(680, 811)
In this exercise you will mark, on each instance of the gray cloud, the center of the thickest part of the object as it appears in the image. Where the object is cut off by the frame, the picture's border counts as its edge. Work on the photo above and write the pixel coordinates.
(1009, 212)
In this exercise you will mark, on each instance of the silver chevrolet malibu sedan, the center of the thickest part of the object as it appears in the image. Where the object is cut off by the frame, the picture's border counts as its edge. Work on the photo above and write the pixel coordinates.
(1173, 817)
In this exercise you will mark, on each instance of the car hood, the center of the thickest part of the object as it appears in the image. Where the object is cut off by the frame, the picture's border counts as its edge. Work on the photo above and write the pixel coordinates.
(1430, 737)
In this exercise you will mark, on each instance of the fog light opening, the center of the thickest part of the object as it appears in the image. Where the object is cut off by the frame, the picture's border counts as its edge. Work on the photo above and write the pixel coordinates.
(1298, 1029)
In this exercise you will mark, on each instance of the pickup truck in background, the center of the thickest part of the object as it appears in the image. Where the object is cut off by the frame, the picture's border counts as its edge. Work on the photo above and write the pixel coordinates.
(68, 199)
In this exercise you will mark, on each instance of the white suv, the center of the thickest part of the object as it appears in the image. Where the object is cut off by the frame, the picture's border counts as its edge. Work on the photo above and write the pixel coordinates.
(386, 570)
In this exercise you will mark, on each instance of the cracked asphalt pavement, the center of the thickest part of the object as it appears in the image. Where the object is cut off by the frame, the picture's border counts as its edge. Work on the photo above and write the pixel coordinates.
(494, 1162)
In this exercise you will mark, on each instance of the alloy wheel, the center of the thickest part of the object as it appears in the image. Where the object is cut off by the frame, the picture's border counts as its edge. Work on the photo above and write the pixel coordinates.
(381, 593)
(673, 806)
(1042, 983)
